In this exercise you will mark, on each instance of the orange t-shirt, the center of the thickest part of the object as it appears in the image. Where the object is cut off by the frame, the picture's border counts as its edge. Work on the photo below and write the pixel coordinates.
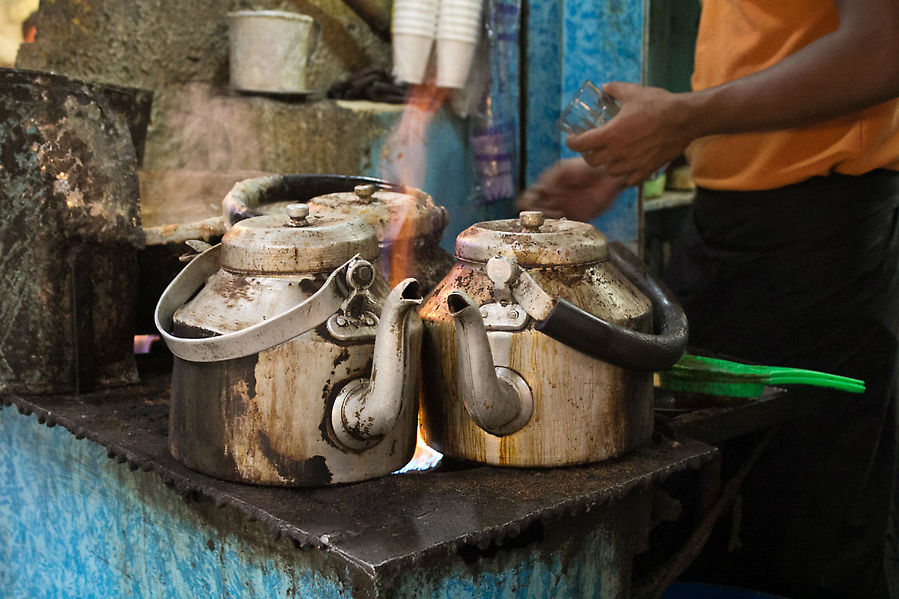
(741, 37)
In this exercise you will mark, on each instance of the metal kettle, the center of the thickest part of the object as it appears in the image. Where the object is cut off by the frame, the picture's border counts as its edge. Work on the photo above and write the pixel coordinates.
(408, 223)
(540, 346)
(295, 363)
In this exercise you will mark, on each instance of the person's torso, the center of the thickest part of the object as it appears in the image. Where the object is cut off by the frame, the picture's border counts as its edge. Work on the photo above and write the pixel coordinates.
(740, 37)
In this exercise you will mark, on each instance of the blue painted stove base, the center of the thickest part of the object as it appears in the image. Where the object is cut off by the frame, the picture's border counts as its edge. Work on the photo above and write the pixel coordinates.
(74, 523)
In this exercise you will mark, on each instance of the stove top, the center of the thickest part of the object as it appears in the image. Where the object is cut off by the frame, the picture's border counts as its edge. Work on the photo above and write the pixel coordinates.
(380, 525)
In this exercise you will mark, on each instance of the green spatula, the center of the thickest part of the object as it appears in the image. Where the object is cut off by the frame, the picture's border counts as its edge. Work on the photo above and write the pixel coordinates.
(713, 376)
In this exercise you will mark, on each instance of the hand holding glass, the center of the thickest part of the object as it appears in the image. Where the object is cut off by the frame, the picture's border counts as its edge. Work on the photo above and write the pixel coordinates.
(590, 108)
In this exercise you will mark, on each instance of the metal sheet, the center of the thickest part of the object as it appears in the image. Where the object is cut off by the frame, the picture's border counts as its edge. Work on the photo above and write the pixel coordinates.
(380, 526)
(69, 232)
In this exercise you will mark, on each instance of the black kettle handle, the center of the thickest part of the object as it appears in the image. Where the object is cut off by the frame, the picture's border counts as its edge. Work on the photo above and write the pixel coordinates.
(611, 343)
(243, 199)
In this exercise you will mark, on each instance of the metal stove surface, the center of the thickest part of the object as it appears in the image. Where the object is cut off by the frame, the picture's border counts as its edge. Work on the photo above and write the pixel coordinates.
(378, 526)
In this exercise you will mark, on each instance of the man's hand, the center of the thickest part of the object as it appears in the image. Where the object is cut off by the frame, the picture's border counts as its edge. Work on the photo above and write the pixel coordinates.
(643, 137)
(572, 189)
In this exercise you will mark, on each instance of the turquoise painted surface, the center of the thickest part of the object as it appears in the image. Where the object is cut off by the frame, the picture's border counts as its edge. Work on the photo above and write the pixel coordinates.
(568, 43)
(544, 86)
(76, 524)
(603, 41)
(591, 570)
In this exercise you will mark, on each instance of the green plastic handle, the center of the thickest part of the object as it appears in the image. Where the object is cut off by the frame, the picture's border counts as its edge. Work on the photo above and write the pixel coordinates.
(722, 372)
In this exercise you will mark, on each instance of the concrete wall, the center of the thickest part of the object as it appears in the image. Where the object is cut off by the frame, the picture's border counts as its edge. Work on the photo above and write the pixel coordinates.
(180, 51)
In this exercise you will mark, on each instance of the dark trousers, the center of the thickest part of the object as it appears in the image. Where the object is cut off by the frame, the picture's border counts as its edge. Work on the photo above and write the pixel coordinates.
(808, 276)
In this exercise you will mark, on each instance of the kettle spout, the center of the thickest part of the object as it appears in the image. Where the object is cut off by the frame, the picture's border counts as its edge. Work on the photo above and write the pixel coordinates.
(367, 409)
(497, 398)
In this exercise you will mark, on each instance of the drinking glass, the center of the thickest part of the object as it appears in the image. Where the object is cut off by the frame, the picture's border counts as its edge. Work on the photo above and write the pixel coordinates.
(590, 108)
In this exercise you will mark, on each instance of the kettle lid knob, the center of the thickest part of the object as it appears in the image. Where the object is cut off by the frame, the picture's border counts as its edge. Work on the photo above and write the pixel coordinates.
(531, 220)
(297, 214)
(365, 192)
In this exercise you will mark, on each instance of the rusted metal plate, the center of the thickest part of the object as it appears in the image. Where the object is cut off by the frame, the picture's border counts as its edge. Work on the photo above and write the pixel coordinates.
(718, 423)
(69, 232)
(384, 525)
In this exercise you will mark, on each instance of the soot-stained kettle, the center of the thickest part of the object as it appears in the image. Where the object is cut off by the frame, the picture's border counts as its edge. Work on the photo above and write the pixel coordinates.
(540, 346)
(295, 363)
(406, 220)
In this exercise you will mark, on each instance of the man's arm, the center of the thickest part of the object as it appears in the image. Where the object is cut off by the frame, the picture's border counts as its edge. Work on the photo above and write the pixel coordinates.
(851, 68)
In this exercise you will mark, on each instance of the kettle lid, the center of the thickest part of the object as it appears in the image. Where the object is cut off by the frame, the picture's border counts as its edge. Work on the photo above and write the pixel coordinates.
(533, 241)
(298, 242)
(394, 215)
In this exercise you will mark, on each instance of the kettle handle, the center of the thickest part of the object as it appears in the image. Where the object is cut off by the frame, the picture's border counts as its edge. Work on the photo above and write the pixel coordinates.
(244, 199)
(313, 311)
(617, 345)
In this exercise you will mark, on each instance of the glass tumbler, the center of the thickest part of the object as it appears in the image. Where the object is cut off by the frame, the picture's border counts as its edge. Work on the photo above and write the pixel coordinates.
(589, 108)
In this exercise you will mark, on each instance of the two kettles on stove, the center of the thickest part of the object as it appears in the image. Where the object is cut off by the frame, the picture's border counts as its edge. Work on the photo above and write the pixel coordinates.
(298, 364)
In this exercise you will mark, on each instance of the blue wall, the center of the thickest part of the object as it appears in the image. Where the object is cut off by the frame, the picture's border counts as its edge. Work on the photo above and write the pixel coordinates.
(569, 42)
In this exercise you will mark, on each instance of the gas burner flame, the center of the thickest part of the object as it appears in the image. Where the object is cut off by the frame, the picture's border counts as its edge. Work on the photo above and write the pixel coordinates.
(424, 458)
(144, 343)
(404, 161)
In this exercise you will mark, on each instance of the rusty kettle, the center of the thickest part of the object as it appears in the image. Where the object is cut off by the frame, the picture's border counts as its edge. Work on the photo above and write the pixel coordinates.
(540, 346)
(295, 364)
(406, 220)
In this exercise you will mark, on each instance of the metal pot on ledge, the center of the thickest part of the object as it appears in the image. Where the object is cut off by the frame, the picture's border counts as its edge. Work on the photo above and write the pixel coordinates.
(408, 223)
(295, 363)
(540, 346)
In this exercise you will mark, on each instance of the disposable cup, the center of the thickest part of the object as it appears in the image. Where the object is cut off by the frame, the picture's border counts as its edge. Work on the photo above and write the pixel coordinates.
(450, 9)
(469, 32)
(466, 39)
(410, 56)
(424, 6)
(415, 17)
(430, 17)
(470, 35)
(422, 29)
(449, 5)
(459, 22)
(473, 8)
(461, 11)
(468, 26)
(453, 62)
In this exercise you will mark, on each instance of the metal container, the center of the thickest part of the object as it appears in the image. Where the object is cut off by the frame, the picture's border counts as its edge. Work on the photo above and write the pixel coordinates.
(177, 206)
(270, 50)
(69, 232)
(539, 351)
(408, 223)
(295, 364)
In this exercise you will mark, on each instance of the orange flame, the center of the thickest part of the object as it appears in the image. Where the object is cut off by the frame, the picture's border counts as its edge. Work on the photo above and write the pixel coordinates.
(404, 160)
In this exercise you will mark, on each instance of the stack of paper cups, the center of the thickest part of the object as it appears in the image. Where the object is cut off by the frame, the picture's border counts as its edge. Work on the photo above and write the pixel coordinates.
(458, 30)
(414, 24)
